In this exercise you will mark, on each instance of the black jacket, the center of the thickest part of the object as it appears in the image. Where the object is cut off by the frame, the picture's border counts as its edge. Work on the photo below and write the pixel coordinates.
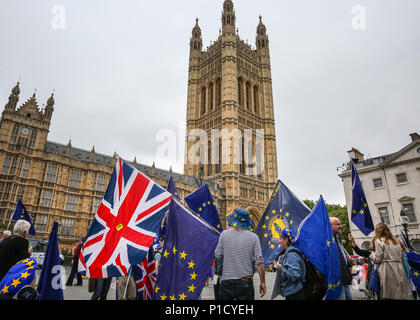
(12, 250)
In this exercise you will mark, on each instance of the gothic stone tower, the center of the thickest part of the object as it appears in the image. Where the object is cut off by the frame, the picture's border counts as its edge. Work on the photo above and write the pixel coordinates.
(230, 134)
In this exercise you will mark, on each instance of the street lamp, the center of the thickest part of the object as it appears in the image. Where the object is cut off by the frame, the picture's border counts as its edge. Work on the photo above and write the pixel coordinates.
(404, 221)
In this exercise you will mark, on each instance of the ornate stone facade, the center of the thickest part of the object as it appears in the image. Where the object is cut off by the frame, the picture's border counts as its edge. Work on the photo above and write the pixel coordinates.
(230, 111)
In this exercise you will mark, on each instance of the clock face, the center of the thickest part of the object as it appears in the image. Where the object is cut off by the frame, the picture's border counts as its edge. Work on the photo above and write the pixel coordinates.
(24, 131)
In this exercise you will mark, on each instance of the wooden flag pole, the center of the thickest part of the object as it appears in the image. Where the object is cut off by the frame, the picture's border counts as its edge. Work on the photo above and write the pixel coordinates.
(126, 286)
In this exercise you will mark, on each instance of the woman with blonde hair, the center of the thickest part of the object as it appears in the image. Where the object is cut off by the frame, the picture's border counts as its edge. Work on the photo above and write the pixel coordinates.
(389, 255)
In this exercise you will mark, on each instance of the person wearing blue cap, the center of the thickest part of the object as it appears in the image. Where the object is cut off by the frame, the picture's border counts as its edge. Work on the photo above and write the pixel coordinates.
(19, 282)
(291, 268)
(240, 250)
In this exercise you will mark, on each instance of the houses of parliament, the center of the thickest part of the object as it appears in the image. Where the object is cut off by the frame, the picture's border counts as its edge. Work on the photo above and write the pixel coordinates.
(229, 90)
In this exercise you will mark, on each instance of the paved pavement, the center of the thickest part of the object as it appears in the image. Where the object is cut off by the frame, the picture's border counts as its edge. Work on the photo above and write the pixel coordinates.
(81, 292)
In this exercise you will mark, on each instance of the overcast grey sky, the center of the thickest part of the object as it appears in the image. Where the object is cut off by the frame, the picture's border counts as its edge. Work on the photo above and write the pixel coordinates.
(120, 71)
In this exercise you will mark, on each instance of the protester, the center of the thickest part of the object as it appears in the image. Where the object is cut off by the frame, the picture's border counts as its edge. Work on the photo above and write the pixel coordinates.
(6, 234)
(15, 247)
(389, 255)
(291, 268)
(75, 263)
(101, 289)
(240, 250)
(127, 289)
(345, 261)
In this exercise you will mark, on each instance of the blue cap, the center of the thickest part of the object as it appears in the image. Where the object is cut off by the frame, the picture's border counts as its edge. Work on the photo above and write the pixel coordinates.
(240, 218)
(20, 275)
(287, 233)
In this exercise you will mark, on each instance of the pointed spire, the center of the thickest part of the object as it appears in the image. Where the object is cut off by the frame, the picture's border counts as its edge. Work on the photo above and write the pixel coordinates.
(196, 42)
(135, 161)
(228, 17)
(261, 40)
(153, 169)
(92, 154)
(68, 148)
(170, 170)
(13, 98)
(48, 111)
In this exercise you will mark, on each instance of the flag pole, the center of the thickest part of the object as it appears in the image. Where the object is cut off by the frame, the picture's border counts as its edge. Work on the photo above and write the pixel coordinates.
(126, 286)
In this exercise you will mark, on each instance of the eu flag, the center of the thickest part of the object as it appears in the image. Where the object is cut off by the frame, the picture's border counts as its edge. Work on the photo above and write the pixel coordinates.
(284, 211)
(201, 202)
(172, 188)
(316, 241)
(413, 261)
(360, 214)
(21, 213)
(187, 256)
(50, 285)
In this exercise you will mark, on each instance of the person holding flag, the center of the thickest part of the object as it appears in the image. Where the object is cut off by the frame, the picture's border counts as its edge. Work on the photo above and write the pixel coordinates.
(15, 248)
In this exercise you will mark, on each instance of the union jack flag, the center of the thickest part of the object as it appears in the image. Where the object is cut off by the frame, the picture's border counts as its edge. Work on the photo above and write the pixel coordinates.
(125, 224)
(145, 277)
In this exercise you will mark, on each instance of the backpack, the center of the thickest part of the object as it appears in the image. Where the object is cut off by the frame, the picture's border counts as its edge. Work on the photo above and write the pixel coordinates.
(314, 286)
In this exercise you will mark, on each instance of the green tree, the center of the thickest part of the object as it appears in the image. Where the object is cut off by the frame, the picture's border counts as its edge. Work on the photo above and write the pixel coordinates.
(340, 212)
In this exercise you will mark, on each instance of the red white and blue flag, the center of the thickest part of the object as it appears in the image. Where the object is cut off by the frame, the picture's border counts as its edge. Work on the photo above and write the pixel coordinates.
(145, 277)
(125, 224)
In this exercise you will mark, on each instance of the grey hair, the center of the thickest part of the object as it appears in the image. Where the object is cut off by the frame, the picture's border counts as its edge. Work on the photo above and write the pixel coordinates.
(7, 232)
(21, 226)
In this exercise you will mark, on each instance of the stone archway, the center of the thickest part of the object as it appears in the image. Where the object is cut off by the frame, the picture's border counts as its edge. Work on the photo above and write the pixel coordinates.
(255, 214)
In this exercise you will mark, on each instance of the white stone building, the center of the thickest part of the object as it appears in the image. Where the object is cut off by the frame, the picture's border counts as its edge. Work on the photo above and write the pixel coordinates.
(391, 184)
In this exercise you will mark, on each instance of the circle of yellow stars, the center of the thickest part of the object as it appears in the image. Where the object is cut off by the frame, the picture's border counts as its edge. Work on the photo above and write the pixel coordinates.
(203, 205)
(193, 276)
(15, 282)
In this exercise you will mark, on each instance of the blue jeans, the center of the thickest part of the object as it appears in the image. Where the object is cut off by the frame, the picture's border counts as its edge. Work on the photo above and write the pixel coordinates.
(236, 289)
(345, 294)
(101, 289)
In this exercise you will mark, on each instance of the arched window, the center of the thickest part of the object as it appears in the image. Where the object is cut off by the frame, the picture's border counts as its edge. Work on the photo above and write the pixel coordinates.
(240, 94)
(219, 92)
(228, 19)
(203, 100)
(211, 96)
(248, 96)
(256, 109)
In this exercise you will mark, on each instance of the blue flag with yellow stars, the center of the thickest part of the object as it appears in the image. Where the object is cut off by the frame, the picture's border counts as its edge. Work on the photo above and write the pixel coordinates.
(20, 275)
(316, 241)
(172, 188)
(50, 286)
(21, 213)
(360, 213)
(187, 255)
(201, 202)
(285, 210)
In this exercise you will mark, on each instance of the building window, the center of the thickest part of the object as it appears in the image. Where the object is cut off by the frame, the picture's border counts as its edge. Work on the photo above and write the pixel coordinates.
(100, 182)
(20, 192)
(96, 202)
(6, 192)
(15, 132)
(41, 222)
(219, 92)
(51, 173)
(203, 100)
(416, 245)
(14, 165)
(46, 198)
(32, 139)
(71, 202)
(377, 183)
(401, 178)
(240, 95)
(26, 167)
(256, 100)
(248, 96)
(75, 178)
(384, 214)
(409, 211)
(6, 165)
(67, 226)
(211, 96)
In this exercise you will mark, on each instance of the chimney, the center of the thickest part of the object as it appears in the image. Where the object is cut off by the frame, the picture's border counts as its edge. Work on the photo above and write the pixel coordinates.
(414, 136)
(355, 155)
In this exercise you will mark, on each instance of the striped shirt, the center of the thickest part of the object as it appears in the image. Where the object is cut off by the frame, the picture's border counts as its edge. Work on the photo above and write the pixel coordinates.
(240, 250)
